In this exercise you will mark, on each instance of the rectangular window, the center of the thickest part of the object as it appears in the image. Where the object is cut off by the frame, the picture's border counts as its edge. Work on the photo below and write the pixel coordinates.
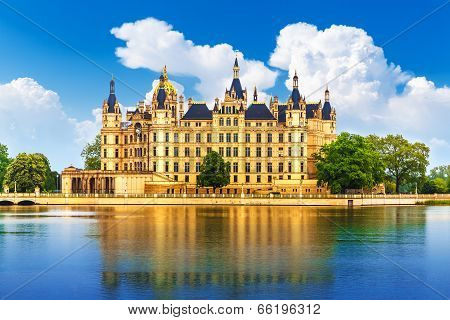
(269, 137)
(302, 137)
(166, 167)
(235, 178)
(208, 137)
(289, 167)
(247, 179)
(197, 166)
(167, 137)
(235, 152)
(175, 167)
(301, 167)
(280, 137)
(116, 153)
(154, 137)
(269, 179)
(154, 151)
(258, 152)
(228, 150)
(235, 122)
(269, 151)
(258, 137)
(198, 152)
(220, 137)
(154, 166)
(301, 152)
(258, 179)
(280, 152)
(235, 137)
(247, 167)
(280, 167)
(186, 178)
(289, 151)
(175, 151)
(166, 152)
(228, 137)
(104, 139)
(247, 151)
(221, 151)
(289, 137)
(175, 137)
(187, 167)
(125, 166)
(117, 139)
(125, 155)
(104, 153)
(208, 150)
(235, 167)
(187, 152)
(269, 167)
(198, 137)
(247, 137)
(126, 139)
(258, 167)
(117, 167)
(187, 137)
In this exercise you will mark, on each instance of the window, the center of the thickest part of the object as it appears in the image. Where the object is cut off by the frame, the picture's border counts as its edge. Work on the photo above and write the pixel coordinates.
(131, 139)
(104, 153)
(269, 167)
(145, 151)
(186, 178)
(198, 137)
(221, 122)
(280, 167)
(235, 122)
(289, 167)
(104, 139)
(166, 166)
(175, 151)
(280, 152)
(228, 137)
(269, 151)
(116, 153)
(258, 167)
(175, 177)
(220, 137)
(125, 155)
(117, 139)
(269, 137)
(235, 137)
(269, 179)
(187, 152)
(259, 124)
(289, 151)
(187, 137)
(167, 137)
(247, 137)
(154, 166)
(208, 150)
(302, 137)
(258, 151)
(126, 139)
(247, 151)
(117, 167)
(235, 178)
(280, 137)
(197, 166)
(131, 152)
(289, 137)
(247, 180)
(258, 137)
(186, 167)
(166, 152)
(175, 167)
(247, 167)
(235, 167)
(228, 154)
(301, 167)
(198, 152)
(208, 137)
(221, 151)
(145, 138)
(154, 137)
(258, 179)
(228, 122)
(175, 137)
(104, 166)
(301, 152)
(125, 166)
(235, 152)
(154, 151)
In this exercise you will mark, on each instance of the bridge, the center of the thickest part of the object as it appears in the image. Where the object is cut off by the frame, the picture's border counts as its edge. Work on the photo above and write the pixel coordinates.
(24, 199)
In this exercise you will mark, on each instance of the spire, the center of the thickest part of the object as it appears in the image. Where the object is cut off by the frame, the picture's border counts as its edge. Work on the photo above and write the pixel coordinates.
(164, 73)
(295, 79)
(327, 94)
(236, 69)
(255, 95)
(112, 86)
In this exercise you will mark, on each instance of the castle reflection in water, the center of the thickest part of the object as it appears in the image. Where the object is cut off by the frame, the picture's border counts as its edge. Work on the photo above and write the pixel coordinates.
(163, 250)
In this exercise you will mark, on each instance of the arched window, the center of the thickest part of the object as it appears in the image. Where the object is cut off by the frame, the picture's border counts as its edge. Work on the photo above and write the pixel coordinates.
(228, 122)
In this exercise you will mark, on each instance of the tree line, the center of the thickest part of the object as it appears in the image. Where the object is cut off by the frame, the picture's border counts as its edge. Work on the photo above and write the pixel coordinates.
(356, 162)
(26, 171)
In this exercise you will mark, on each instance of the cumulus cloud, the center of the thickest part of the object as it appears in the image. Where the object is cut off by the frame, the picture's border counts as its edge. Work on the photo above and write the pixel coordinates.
(370, 94)
(33, 120)
(152, 43)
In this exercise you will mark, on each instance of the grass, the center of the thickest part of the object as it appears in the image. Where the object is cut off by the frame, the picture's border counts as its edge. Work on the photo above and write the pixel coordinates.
(435, 202)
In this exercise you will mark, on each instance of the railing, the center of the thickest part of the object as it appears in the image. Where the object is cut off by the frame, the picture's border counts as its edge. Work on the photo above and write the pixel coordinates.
(224, 195)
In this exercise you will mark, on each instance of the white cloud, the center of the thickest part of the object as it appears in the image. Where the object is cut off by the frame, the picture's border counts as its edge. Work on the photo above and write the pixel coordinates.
(151, 43)
(372, 96)
(33, 120)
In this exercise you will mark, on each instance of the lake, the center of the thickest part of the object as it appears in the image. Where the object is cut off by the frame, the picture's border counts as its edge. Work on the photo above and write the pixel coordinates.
(231, 252)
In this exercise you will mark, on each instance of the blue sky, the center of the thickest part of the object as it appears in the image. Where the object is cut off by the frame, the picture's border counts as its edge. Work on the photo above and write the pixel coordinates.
(250, 27)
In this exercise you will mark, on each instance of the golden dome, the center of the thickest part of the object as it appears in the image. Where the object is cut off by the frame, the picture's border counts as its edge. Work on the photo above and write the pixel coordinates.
(165, 84)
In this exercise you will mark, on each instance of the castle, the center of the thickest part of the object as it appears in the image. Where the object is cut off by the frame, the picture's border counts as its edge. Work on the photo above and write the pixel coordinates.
(160, 147)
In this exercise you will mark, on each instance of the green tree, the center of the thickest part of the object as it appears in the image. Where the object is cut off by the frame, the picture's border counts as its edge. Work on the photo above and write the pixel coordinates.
(91, 154)
(27, 171)
(437, 185)
(406, 162)
(214, 172)
(440, 172)
(350, 162)
(4, 162)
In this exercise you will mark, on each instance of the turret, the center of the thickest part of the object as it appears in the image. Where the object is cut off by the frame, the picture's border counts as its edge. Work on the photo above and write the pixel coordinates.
(236, 69)
(255, 95)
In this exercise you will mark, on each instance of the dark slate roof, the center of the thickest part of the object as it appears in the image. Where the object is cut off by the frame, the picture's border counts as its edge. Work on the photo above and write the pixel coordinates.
(236, 84)
(111, 102)
(310, 109)
(161, 97)
(258, 111)
(326, 111)
(282, 112)
(236, 62)
(198, 111)
(295, 95)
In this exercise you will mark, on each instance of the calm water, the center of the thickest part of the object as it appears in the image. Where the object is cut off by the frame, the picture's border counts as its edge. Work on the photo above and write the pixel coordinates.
(209, 252)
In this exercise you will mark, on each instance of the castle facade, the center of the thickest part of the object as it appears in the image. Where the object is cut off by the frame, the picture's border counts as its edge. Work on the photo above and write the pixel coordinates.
(160, 147)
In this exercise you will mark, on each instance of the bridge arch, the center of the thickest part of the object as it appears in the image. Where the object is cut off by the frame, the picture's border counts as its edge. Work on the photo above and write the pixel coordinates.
(6, 203)
(26, 203)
